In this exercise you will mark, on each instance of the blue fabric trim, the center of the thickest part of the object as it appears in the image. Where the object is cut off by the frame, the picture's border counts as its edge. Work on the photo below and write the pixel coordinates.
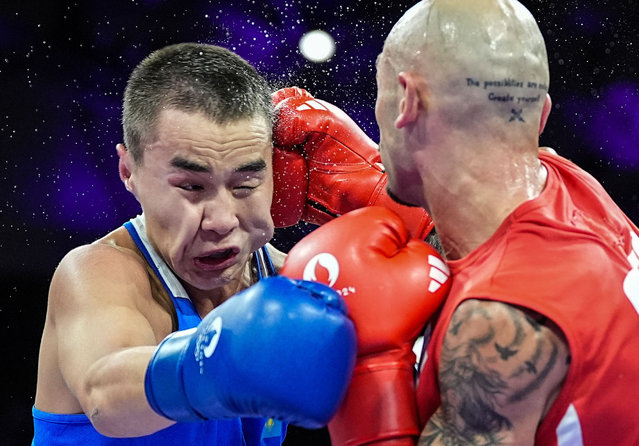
(187, 316)
(138, 241)
(267, 269)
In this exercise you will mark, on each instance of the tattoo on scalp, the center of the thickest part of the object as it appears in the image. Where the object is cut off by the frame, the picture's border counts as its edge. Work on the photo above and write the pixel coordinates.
(472, 382)
(515, 92)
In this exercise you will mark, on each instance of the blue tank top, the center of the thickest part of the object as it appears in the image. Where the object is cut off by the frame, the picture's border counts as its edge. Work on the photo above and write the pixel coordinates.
(75, 429)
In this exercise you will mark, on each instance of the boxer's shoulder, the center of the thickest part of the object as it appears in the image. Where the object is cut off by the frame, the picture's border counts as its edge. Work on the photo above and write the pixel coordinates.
(120, 240)
(109, 265)
(116, 252)
(525, 354)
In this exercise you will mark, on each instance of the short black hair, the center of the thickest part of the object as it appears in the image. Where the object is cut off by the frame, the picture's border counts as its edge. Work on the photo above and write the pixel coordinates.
(191, 77)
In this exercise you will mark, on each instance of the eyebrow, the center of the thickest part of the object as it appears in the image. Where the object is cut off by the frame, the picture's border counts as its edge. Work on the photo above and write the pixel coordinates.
(184, 164)
(192, 166)
(253, 166)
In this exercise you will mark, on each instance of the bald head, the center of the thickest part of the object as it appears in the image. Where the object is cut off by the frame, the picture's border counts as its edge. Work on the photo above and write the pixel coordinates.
(482, 60)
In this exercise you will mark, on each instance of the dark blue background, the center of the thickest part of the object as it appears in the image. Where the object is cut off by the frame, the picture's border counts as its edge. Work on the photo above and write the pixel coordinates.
(63, 67)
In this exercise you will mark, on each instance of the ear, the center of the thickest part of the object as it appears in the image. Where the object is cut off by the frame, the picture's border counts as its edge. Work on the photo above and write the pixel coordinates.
(544, 113)
(125, 166)
(411, 99)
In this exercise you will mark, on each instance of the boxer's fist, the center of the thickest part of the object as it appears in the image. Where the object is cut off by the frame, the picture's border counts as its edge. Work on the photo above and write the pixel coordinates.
(384, 275)
(392, 285)
(324, 165)
(281, 348)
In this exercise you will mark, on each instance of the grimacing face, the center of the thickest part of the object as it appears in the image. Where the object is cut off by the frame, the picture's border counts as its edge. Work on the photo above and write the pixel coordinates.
(206, 191)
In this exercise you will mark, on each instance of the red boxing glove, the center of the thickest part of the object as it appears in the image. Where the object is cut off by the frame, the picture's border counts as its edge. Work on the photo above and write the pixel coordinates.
(324, 165)
(392, 285)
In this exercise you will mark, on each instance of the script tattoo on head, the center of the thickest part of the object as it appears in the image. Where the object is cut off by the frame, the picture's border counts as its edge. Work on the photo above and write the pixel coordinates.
(514, 92)
(494, 357)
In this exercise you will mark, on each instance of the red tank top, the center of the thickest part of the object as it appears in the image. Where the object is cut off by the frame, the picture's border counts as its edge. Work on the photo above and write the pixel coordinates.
(572, 256)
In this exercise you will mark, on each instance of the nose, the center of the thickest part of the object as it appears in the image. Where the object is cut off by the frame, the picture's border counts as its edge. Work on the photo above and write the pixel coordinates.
(219, 214)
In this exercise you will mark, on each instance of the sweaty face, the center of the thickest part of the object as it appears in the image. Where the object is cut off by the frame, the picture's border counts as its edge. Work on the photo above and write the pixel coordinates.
(206, 192)
(394, 150)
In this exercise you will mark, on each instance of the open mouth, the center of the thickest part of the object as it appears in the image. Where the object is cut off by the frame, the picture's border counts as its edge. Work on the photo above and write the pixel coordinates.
(217, 258)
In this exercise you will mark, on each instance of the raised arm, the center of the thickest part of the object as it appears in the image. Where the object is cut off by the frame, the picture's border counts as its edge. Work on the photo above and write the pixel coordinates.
(500, 369)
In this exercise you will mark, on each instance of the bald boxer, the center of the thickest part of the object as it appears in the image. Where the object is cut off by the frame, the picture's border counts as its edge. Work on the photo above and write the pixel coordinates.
(537, 341)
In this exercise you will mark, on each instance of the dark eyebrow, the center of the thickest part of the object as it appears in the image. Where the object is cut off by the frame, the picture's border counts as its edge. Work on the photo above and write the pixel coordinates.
(184, 164)
(192, 166)
(253, 166)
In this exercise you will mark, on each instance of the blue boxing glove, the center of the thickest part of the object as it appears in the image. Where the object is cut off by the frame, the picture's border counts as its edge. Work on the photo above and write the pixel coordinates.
(282, 349)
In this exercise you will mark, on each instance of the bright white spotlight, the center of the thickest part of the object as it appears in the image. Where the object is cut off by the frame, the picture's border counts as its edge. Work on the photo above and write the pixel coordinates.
(317, 46)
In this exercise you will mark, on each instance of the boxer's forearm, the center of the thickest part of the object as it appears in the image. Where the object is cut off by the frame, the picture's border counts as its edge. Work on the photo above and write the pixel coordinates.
(114, 397)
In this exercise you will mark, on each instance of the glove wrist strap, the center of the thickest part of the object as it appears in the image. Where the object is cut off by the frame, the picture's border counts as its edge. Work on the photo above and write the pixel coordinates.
(163, 382)
(380, 403)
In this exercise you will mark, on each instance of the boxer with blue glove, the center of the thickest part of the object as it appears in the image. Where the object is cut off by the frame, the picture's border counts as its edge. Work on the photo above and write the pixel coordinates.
(168, 319)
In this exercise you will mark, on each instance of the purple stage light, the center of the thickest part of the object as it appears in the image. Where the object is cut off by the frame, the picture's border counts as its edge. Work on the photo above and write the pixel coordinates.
(610, 123)
(266, 37)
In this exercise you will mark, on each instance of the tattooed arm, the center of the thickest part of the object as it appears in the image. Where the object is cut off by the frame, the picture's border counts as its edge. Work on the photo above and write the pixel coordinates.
(501, 367)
